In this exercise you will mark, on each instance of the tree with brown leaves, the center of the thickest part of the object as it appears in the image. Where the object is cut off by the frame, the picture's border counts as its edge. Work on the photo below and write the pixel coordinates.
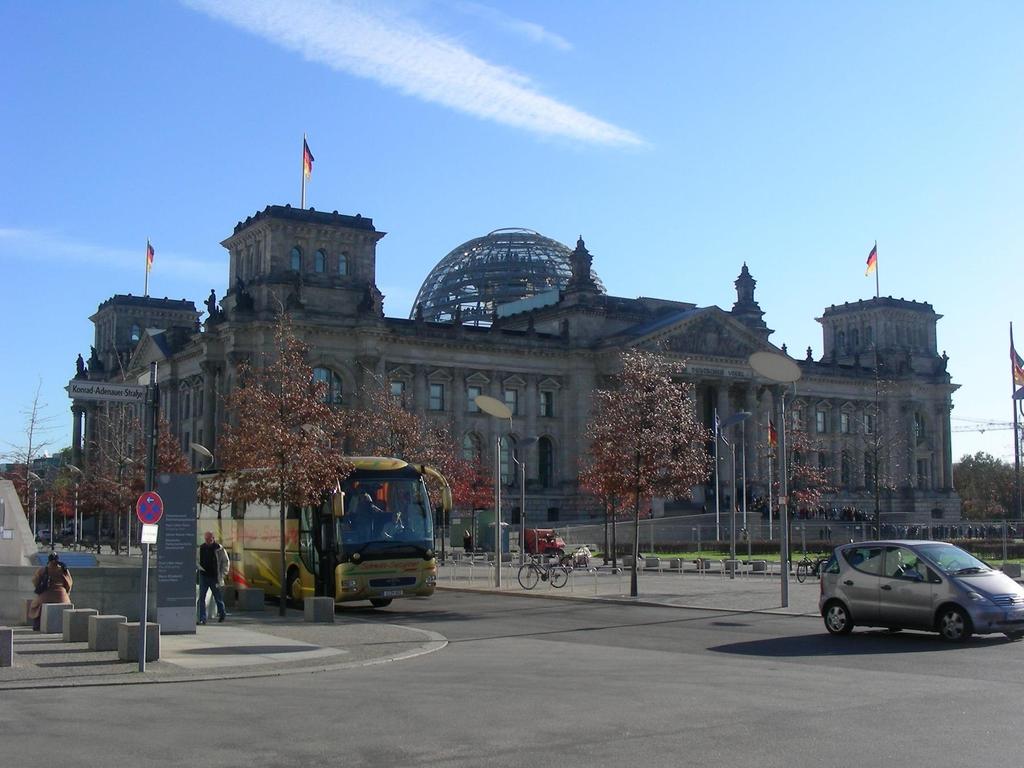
(644, 437)
(282, 443)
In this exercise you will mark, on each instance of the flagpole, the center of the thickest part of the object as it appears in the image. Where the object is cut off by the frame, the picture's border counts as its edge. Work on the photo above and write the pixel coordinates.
(1016, 426)
(145, 288)
(302, 169)
(878, 293)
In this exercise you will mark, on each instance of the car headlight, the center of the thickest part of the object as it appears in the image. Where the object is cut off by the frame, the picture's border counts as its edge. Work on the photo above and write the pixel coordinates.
(431, 580)
(349, 585)
(976, 597)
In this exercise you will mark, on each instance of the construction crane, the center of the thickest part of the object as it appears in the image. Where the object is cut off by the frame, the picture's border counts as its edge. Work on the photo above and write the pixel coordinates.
(980, 425)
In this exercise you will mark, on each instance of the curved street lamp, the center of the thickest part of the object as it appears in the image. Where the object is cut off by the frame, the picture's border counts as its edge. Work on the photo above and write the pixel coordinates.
(494, 407)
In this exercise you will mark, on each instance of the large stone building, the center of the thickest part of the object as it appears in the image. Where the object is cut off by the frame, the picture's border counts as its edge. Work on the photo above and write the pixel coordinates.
(525, 319)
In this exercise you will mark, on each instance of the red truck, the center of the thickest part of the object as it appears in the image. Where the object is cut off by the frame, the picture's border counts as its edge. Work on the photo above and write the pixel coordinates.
(544, 541)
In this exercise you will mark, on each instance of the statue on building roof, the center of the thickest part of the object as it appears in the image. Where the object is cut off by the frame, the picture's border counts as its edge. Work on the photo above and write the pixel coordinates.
(81, 372)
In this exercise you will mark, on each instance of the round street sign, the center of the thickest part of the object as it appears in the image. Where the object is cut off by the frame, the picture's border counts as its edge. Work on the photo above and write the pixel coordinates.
(149, 508)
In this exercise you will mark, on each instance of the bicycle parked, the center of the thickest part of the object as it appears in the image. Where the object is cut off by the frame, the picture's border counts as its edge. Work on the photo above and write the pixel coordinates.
(810, 567)
(536, 571)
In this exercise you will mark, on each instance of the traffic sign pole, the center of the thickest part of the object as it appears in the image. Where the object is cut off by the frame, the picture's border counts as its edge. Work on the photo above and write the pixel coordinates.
(149, 508)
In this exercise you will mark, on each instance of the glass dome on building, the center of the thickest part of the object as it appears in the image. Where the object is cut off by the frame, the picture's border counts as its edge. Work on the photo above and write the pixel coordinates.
(502, 266)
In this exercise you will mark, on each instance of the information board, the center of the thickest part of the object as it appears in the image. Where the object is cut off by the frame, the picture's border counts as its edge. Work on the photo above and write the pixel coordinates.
(176, 555)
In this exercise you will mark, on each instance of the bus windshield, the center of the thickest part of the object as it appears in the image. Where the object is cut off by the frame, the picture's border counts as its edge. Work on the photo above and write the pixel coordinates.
(384, 514)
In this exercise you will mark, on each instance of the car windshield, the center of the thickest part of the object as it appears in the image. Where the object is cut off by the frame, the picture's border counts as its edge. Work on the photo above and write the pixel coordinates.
(385, 513)
(951, 560)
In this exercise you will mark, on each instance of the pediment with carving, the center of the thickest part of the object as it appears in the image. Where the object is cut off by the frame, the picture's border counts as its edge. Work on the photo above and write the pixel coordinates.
(709, 336)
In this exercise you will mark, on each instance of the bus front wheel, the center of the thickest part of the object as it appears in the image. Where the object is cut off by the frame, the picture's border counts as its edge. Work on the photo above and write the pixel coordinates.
(380, 602)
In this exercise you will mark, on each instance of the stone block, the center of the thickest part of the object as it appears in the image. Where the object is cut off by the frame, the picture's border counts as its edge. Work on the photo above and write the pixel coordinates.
(103, 631)
(759, 566)
(230, 593)
(128, 641)
(76, 625)
(1012, 570)
(52, 617)
(6, 647)
(318, 609)
(250, 600)
(652, 563)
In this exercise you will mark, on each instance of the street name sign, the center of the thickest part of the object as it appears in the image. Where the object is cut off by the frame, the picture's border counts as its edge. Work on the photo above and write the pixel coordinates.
(83, 389)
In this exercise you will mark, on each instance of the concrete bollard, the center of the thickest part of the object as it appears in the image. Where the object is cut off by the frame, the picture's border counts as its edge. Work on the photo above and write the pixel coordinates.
(6, 647)
(103, 632)
(76, 625)
(250, 600)
(1012, 570)
(52, 617)
(318, 609)
(128, 641)
(230, 593)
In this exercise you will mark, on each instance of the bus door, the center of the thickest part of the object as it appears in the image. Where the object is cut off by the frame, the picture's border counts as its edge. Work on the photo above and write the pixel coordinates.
(316, 547)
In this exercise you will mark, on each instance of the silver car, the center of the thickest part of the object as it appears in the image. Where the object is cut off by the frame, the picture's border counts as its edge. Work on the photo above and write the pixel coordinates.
(929, 585)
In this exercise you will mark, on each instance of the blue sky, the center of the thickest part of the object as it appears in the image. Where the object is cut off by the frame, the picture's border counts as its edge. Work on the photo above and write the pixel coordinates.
(680, 139)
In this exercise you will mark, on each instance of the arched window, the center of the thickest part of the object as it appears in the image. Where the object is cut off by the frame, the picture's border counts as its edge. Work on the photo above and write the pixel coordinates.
(869, 336)
(919, 425)
(332, 382)
(136, 332)
(343, 263)
(471, 450)
(508, 474)
(320, 262)
(855, 334)
(296, 260)
(841, 341)
(545, 462)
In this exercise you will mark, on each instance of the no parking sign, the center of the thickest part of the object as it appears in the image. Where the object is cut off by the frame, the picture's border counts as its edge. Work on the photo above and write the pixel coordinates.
(149, 508)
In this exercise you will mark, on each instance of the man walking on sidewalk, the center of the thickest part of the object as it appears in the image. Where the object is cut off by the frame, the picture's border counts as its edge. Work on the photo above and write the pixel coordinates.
(213, 569)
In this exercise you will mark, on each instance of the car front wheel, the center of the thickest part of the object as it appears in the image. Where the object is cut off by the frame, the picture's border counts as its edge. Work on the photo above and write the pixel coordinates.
(837, 619)
(954, 625)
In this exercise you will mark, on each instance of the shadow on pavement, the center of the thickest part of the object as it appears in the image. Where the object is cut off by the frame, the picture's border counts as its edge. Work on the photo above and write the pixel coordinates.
(231, 650)
(857, 644)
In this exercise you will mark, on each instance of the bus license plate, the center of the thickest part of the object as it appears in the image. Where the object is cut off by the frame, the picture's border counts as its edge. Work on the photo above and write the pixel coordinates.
(391, 593)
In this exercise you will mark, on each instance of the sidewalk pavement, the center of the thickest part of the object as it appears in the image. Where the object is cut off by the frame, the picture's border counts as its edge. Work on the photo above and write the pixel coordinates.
(261, 645)
(689, 589)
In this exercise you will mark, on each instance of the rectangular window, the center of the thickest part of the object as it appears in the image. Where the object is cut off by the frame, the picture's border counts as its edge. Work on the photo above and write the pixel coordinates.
(869, 424)
(820, 421)
(398, 389)
(844, 423)
(547, 403)
(436, 397)
(512, 400)
(472, 393)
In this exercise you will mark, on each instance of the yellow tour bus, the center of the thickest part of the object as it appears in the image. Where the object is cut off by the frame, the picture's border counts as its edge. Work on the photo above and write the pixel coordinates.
(371, 539)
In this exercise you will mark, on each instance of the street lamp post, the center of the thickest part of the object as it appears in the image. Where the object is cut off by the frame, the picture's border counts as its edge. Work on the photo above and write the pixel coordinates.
(523, 446)
(78, 523)
(736, 418)
(35, 481)
(494, 407)
(782, 370)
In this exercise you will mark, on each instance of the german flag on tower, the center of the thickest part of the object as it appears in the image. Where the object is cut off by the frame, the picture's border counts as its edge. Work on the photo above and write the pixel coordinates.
(872, 261)
(307, 159)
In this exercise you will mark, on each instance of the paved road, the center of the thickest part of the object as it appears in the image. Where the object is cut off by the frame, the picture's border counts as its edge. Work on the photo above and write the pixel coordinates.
(537, 682)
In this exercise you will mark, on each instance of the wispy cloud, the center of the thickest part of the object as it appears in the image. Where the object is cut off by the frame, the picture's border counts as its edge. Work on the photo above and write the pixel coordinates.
(372, 41)
(41, 247)
(533, 32)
